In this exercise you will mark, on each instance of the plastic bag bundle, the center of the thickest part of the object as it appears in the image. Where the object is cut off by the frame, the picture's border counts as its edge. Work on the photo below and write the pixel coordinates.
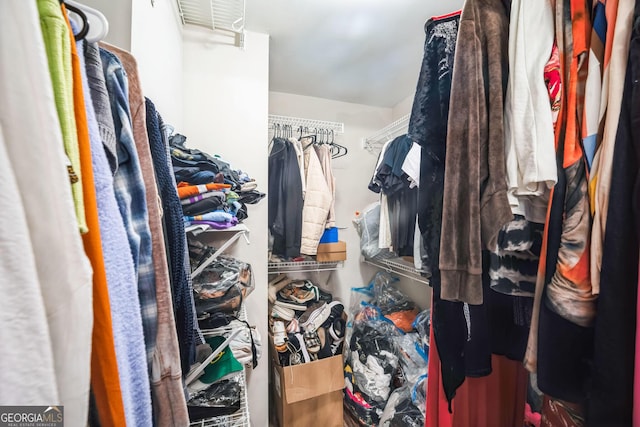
(367, 224)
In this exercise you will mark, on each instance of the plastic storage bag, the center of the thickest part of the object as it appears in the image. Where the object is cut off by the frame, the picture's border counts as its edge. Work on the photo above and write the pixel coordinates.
(367, 225)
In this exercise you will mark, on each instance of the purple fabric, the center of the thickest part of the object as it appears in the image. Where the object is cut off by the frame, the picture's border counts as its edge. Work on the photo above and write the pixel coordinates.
(216, 225)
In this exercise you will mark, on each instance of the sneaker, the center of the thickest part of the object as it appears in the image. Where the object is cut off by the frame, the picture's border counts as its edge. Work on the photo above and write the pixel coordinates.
(312, 341)
(297, 350)
(324, 296)
(276, 285)
(279, 337)
(304, 317)
(279, 312)
(319, 316)
(331, 338)
(293, 326)
(301, 292)
(282, 302)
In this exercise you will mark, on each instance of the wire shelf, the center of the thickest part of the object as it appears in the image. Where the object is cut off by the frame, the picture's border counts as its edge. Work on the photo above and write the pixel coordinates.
(240, 418)
(399, 267)
(377, 140)
(296, 122)
(303, 266)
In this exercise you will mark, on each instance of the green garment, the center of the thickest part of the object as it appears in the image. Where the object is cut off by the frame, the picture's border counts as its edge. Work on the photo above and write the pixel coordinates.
(58, 46)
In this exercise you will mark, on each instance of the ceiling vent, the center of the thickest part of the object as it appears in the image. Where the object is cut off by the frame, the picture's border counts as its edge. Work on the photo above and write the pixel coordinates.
(226, 16)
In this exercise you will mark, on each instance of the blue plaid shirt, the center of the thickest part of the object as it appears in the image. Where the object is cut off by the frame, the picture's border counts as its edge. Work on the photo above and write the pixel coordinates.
(131, 195)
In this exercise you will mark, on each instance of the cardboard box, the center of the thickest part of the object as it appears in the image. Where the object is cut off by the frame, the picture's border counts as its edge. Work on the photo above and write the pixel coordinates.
(328, 252)
(309, 394)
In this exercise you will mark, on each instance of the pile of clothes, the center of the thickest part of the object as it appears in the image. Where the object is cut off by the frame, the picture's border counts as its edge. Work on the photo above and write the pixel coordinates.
(307, 324)
(386, 359)
(213, 195)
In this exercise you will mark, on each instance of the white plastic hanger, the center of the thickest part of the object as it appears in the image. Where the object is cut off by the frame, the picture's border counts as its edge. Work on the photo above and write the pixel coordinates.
(98, 23)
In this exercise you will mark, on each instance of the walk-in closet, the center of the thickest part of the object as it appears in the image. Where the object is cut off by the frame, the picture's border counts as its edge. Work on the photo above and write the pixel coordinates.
(266, 213)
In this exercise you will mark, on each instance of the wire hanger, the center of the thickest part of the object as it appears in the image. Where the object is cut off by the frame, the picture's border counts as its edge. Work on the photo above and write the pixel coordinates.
(96, 24)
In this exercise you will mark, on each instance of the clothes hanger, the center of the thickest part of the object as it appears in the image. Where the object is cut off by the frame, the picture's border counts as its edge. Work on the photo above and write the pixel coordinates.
(98, 27)
(85, 21)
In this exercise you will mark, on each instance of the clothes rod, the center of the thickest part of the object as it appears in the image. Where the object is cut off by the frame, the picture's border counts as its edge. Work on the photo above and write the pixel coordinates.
(296, 122)
(377, 140)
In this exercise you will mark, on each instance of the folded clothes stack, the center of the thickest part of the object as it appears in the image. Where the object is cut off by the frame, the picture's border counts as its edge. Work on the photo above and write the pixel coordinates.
(386, 359)
(307, 324)
(213, 194)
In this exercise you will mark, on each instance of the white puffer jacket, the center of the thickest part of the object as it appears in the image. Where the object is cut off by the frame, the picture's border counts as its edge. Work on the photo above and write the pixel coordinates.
(317, 202)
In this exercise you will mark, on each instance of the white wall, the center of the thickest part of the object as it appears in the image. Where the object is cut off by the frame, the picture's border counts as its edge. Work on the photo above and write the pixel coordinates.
(118, 13)
(153, 34)
(403, 107)
(225, 112)
(156, 42)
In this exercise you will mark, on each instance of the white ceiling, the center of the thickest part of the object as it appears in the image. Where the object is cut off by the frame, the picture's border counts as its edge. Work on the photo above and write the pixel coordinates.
(362, 51)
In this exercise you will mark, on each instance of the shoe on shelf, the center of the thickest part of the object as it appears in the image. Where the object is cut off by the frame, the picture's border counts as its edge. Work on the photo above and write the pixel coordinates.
(283, 313)
(276, 285)
(287, 303)
(296, 294)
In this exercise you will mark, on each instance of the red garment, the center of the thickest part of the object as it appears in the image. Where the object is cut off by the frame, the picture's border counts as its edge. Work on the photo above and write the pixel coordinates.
(497, 400)
(437, 408)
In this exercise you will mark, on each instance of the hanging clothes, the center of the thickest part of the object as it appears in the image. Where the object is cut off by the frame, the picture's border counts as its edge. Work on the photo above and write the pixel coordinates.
(175, 240)
(56, 40)
(561, 334)
(105, 376)
(317, 201)
(611, 399)
(600, 178)
(23, 305)
(401, 199)
(285, 199)
(428, 128)
(34, 146)
(491, 401)
(131, 198)
(106, 241)
(324, 155)
(528, 120)
(475, 204)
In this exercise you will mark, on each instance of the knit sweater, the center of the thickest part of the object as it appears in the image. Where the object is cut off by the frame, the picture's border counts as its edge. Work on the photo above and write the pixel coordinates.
(475, 205)
(175, 238)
